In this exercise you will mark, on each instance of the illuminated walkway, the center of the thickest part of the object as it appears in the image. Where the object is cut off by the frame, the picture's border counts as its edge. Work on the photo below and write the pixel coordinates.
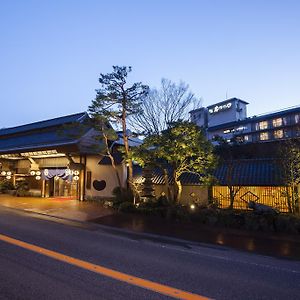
(57, 207)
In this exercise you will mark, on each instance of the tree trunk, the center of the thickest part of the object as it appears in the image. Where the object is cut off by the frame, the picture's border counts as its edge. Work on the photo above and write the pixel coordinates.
(289, 200)
(170, 195)
(177, 187)
(179, 191)
(115, 169)
(126, 146)
(231, 197)
(112, 159)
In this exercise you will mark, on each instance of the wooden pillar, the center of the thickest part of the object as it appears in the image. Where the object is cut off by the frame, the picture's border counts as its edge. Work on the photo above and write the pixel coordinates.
(82, 179)
(43, 188)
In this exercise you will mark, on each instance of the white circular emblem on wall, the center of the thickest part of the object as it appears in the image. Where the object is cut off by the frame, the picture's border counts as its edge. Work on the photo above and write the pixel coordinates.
(46, 172)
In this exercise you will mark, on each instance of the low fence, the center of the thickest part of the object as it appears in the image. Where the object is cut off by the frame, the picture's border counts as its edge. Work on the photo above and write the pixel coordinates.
(274, 196)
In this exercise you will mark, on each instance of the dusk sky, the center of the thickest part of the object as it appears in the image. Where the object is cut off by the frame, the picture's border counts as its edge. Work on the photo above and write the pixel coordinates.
(52, 52)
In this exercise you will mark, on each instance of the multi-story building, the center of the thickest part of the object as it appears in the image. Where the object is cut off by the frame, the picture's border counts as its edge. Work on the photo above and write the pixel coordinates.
(228, 119)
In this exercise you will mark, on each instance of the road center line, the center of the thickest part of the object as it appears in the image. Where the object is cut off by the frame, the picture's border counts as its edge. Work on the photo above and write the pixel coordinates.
(143, 283)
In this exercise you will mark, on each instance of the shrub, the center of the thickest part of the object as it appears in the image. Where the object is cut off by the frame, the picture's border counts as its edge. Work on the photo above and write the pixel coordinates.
(126, 207)
(22, 188)
(122, 195)
(6, 185)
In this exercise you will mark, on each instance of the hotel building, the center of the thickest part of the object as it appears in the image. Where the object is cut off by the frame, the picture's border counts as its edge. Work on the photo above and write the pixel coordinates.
(228, 119)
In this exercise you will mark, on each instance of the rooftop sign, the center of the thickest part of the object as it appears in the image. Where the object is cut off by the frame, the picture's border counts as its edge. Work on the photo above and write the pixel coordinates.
(219, 108)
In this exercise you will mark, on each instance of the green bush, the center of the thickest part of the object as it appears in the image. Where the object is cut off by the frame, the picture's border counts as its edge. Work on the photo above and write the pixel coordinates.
(126, 207)
(6, 185)
(122, 195)
(22, 188)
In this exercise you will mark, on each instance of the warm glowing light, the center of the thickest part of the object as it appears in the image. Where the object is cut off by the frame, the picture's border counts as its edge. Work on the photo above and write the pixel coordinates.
(8, 177)
(76, 173)
(3, 173)
(32, 173)
(38, 173)
(37, 177)
(192, 206)
(76, 177)
(8, 173)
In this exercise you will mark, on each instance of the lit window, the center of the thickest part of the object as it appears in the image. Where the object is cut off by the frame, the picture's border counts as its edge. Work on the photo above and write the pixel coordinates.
(264, 136)
(297, 118)
(246, 138)
(277, 122)
(278, 134)
(227, 131)
(263, 125)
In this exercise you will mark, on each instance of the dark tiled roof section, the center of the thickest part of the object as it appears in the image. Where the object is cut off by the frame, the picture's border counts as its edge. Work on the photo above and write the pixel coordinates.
(42, 135)
(158, 177)
(34, 140)
(79, 117)
(246, 172)
(250, 172)
(106, 160)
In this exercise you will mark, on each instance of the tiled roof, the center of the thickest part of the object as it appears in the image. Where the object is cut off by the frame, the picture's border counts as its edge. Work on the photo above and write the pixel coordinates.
(79, 117)
(158, 177)
(251, 172)
(106, 160)
(245, 172)
(41, 135)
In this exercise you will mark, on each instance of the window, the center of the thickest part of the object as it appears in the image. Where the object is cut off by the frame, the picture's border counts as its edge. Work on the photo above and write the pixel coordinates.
(297, 118)
(277, 122)
(261, 125)
(246, 138)
(228, 131)
(278, 134)
(264, 136)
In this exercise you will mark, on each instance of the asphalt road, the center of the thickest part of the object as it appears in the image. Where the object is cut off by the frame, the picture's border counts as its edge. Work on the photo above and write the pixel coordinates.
(212, 271)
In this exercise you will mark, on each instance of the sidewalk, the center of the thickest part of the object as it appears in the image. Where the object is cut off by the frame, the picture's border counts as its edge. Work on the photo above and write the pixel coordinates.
(278, 245)
(66, 208)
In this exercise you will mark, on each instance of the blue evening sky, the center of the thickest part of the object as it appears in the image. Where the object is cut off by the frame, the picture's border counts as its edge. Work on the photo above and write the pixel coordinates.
(52, 51)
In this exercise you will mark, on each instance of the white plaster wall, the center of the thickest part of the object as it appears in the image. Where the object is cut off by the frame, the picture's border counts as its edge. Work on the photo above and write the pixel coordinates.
(103, 172)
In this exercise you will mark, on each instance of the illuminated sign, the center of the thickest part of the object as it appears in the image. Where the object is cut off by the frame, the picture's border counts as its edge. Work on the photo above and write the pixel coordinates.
(219, 108)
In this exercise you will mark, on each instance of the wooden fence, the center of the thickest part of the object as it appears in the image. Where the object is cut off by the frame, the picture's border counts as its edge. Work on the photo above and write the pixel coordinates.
(274, 196)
